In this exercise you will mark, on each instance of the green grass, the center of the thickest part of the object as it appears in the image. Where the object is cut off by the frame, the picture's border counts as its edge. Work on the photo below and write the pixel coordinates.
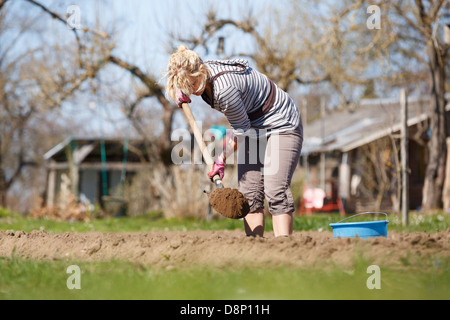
(431, 223)
(24, 279)
(123, 224)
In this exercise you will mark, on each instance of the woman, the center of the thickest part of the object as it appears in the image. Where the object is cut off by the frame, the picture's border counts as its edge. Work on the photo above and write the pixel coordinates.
(261, 114)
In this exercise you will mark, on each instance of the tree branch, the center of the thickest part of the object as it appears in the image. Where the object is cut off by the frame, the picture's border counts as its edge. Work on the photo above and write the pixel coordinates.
(313, 81)
(2, 3)
(58, 17)
(149, 81)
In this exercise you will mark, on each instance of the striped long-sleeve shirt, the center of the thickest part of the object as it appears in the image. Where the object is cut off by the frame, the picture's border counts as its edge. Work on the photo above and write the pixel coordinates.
(243, 91)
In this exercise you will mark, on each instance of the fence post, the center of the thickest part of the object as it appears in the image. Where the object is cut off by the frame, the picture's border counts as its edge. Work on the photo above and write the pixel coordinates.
(404, 156)
(446, 193)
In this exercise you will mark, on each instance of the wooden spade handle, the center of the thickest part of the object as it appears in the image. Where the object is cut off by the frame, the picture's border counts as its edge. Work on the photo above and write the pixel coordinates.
(199, 138)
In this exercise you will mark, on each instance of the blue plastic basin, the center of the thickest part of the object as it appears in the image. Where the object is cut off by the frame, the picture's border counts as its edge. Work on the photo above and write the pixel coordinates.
(364, 229)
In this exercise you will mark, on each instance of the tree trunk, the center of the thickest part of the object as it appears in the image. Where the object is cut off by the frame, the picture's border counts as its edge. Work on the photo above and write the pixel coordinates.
(165, 145)
(3, 189)
(437, 149)
(446, 193)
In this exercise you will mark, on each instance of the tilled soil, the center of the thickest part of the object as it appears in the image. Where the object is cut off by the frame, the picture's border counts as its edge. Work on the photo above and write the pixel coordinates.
(177, 249)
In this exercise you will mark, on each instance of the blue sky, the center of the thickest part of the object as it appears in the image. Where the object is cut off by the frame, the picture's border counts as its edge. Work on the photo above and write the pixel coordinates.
(143, 26)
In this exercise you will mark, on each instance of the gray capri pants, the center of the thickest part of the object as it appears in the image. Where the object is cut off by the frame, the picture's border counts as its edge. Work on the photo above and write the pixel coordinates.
(265, 168)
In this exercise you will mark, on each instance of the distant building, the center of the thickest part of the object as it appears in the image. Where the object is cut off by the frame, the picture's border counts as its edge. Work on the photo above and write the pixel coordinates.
(336, 149)
(92, 168)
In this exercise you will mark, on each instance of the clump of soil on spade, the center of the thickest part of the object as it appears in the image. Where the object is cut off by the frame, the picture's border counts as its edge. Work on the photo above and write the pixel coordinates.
(229, 202)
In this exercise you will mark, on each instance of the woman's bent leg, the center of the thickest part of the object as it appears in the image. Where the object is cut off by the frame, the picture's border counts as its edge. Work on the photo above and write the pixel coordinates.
(251, 184)
(254, 223)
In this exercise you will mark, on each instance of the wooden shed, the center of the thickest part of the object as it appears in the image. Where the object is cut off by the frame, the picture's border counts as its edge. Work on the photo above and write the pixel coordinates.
(92, 168)
(335, 147)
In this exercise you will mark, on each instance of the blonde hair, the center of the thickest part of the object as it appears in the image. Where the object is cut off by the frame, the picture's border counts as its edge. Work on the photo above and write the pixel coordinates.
(185, 66)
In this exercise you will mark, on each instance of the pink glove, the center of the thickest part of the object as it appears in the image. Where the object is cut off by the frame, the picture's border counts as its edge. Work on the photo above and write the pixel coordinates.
(182, 98)
(218, 168)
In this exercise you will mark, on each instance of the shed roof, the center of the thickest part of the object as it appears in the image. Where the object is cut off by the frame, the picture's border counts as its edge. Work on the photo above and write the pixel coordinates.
(114, 150)
(372, 119)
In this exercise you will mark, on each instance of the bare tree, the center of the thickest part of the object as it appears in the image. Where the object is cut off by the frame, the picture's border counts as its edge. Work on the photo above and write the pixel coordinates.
(420, 36)
(36, 80)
